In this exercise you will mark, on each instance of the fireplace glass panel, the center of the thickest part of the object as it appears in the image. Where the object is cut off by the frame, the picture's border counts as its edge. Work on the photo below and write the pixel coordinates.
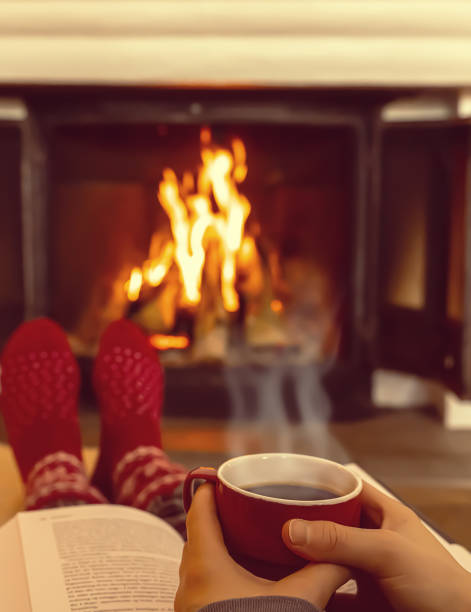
(406, 184)
(422, 249)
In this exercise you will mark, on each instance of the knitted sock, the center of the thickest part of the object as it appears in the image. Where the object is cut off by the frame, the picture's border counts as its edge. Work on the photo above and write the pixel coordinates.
(40, 382)
(132, 468)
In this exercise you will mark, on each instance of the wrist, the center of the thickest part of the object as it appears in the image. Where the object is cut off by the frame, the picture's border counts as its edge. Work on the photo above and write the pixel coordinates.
(464, 597)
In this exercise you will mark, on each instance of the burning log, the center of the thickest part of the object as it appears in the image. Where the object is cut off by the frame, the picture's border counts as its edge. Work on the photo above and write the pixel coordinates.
(212, 321)
(158, 313)
(264, 326)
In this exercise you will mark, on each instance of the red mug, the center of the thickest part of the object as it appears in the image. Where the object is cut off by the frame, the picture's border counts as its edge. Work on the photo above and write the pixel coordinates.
(252, 522)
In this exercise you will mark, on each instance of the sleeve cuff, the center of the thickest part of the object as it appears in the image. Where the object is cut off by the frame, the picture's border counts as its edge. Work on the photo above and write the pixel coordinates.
(261, 604)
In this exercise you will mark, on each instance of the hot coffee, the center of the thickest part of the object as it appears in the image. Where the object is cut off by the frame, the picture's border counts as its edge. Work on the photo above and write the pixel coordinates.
(295, 492)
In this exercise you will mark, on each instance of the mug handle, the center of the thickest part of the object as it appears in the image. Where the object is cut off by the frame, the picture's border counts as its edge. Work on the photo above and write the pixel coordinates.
(202, 473)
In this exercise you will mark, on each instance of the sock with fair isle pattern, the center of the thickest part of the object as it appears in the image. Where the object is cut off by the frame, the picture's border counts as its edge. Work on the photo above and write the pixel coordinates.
(40, 382)
(132, 468)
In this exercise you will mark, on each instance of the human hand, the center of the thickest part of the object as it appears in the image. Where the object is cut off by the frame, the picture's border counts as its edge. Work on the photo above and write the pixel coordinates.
(208, 573)
(408, 564)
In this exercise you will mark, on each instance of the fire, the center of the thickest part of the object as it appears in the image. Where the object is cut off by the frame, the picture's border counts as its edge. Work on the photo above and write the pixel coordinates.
(276, 306)
(210, 208)
(134, 284)
(155, 270)
(163, 342)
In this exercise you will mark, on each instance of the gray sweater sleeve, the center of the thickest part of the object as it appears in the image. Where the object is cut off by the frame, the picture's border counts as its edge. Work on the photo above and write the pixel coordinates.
(261, 604)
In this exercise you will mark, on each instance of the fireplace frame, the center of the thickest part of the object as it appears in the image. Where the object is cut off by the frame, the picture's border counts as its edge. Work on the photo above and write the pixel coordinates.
(45, 109)
(47, 112)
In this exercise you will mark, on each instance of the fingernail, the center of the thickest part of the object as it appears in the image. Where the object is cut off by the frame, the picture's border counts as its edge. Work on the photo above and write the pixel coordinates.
(298, 532)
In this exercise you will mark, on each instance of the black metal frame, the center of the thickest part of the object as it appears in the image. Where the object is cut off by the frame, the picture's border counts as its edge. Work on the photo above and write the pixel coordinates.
(466, 333)
(54, 109)
(18, 124)
(34, 193)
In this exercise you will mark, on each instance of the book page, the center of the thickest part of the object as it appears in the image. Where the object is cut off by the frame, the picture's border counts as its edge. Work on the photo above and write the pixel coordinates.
(99, 558)
(13, 582)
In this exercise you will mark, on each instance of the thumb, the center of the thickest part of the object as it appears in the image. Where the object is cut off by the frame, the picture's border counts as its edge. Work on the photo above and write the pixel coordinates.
(376, 551)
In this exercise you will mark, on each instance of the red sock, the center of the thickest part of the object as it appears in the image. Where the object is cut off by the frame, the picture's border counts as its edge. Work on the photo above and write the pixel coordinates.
(40, 382)
(132, 469)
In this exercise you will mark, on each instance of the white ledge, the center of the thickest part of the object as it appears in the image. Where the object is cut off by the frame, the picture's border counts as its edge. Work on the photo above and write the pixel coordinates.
(257, 42)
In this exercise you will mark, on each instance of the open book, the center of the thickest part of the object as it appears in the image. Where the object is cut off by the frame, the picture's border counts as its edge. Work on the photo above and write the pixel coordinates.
(88, 559)
(102, 558)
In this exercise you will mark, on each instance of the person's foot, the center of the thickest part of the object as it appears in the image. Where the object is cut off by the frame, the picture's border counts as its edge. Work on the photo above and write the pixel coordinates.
(132, 468)
(39, 389)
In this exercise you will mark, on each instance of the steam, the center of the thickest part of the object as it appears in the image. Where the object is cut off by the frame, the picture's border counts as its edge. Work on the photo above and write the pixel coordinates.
(282, 408)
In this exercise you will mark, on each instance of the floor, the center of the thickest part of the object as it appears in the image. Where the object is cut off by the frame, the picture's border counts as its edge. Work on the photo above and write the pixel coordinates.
(408, 451)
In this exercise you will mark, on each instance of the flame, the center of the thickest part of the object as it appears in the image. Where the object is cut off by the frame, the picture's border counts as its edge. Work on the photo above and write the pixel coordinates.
(205, 135)
(134, 284)
(247, 252)
(209, 208)
(163, 342)
(191, 216)
(276, 306)
(155, 270)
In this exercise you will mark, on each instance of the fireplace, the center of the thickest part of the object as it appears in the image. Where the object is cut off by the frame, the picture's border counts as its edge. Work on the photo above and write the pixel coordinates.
(276, 246)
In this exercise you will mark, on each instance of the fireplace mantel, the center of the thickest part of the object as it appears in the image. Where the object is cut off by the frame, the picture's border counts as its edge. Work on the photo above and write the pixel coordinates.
(236, 43)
